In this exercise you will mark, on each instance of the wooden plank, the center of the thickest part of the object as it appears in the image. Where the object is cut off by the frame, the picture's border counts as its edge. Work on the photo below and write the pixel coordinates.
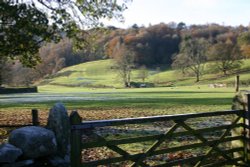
(222, 163)
(75, 140)
(155, 145)
(136, 156)
(197, 158)
(110, 160)
(164, 151)
(14, 126)
(112, 147)
(115, 122)
(195, 145)
(151, 137)
(214, 147)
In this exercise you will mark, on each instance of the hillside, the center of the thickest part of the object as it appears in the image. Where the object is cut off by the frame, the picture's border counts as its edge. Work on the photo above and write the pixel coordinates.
(101, 74)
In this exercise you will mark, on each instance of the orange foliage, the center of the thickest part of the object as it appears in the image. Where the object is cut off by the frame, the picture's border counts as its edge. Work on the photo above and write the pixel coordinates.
(129, 38)
(245, 49)
(111, 45)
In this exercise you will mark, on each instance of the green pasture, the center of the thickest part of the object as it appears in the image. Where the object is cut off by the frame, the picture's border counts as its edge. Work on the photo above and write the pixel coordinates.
(209, 76)
(96, 86)
(131, 102)
(102, 74)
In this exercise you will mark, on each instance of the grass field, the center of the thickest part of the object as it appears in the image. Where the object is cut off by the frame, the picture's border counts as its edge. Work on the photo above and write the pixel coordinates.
(101, 74)
(94, 89)
(118, 103)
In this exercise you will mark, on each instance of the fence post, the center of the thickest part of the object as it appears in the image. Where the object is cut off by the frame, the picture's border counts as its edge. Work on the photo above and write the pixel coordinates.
(75, 140)
(237, 83)
(35, 118)
(248, 126)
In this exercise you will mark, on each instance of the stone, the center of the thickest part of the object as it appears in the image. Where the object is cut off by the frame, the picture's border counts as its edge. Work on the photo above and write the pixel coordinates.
(23, 163)
(240, 100)
(57, 161)
(58, 122)
(9, 153)
(239, 103)
(34, 141)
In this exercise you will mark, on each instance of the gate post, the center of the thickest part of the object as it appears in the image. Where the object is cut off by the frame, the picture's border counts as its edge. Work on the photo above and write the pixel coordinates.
(241, 101)
(35, 118)
(248, 128)
(75, 140)
(237, 83)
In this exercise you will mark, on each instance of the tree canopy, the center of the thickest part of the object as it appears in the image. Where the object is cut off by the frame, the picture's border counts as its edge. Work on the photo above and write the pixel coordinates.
(26, 24)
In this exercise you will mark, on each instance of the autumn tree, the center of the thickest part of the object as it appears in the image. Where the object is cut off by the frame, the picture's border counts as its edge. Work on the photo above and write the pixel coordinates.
(192, 55)
(226, 56)
(153, 45)
(244, 42)
(124, 58)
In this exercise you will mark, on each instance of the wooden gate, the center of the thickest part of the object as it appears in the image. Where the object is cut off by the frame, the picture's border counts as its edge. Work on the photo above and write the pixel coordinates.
(200, 139)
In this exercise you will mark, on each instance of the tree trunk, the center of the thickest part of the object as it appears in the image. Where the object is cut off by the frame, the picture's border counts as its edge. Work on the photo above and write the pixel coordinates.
(1, 79)
(225, 72)
(197, 77)
(128, 79)
(1, 73)
(125, 84)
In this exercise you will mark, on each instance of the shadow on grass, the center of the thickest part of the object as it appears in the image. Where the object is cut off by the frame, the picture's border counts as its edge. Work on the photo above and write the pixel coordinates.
(133, 103)
(177, 92)
(150, 103)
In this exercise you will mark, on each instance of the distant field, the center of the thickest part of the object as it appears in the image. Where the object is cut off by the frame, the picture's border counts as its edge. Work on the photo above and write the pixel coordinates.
(117, 103)
(101, 74)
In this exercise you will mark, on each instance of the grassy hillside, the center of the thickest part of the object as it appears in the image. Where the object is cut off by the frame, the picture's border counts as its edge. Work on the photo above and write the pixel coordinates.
(91, 74)
(102, 74)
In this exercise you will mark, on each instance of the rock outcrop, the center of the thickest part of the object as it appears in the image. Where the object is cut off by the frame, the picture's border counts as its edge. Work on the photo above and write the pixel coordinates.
(34, 141)
(58, 122)
(9, 153)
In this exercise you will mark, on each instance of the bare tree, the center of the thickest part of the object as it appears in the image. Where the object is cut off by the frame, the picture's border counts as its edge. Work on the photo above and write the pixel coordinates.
(124, 58)
(192, 56)
(5, 71)
(226, 56)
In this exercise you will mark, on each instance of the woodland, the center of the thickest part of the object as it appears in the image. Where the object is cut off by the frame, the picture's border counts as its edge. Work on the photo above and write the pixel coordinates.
(155, 46)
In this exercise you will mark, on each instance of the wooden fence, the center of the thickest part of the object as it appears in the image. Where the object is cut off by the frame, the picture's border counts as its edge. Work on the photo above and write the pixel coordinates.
(18, 90)
(200, 139)
(35, 121)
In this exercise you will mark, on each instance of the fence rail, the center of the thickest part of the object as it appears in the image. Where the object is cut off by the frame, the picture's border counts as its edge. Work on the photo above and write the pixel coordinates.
(115, 122)
(214, 155)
